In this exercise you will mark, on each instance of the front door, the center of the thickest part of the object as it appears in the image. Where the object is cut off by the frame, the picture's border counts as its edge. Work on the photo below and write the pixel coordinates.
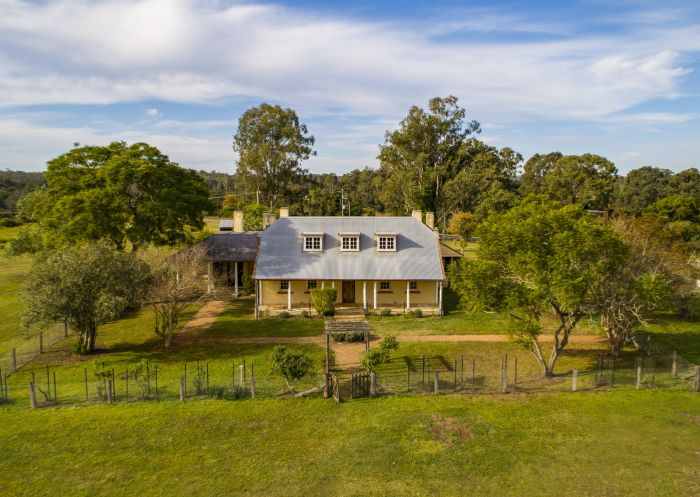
(348, 292)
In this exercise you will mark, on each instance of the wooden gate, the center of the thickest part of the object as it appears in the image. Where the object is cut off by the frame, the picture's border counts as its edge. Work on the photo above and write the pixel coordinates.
(360, 385)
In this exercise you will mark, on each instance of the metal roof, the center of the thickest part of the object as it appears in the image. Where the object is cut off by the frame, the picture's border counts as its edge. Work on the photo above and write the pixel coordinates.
(231, 246)
(280, 255)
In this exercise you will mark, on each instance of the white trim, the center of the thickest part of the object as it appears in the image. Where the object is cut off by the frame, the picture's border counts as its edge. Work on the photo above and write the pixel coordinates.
(350, 237)
(364, 295)
(387, 239)
(375, 295)
(312, 237)
(408, 295)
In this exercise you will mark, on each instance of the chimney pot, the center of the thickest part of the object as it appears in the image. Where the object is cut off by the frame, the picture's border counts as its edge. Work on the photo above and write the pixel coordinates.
(284, 212)
(430, 220)
(418, 215)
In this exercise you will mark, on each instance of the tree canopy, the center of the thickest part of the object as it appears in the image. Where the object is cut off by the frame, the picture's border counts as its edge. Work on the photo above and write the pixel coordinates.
(271, 144)
(129, 194)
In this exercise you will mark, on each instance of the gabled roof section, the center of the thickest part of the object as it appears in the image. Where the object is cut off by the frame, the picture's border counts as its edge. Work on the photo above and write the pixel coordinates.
(281, 255)
(230, 246)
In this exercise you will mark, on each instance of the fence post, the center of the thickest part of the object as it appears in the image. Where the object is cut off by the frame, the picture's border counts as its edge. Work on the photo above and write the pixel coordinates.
(372, 383)
(423, 380)
(326, 387)
(55, 395)
(40, 346)
(86, 387)
(437, 383)
(208, 391)
(32, 395)
(14, 360)
(155, 371)
(328, 352)
(252, 381)
(697, 379)
(408, 375)
(515, 374)
(242, 381)
(182, 388)
(638, 382)
(473, 374)
(126, 378)
(612, 374)
(674, 365)
(462, 369)
(454, 386)
(504, 374)
(48, 382)
(110, 397)
(114, 386)
(574, 380)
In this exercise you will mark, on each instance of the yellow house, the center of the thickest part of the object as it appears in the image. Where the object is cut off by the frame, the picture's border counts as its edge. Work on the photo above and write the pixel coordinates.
(373, 262)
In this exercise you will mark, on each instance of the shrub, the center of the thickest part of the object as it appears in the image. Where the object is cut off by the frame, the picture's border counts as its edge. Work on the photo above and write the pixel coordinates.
(418, 313)
(305, 314)
(389, 342)
(292, 366)
(324, 300)
(237, 392)
(374, 358)
(385, 312)
(7, 222)
(284, 315)
(348, 336)
(28, 240)
(248, 283)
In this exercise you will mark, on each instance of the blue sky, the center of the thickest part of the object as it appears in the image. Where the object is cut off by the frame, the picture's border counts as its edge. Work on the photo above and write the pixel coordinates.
(618, 78)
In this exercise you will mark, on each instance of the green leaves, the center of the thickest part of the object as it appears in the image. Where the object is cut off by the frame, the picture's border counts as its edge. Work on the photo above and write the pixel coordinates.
(292, 366)
(130, 195)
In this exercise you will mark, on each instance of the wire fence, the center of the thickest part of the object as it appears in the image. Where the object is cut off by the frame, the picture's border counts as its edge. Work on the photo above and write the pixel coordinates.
(25, 348)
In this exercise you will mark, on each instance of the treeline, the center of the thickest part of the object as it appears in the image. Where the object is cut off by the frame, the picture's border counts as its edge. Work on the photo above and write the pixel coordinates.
(14, 184)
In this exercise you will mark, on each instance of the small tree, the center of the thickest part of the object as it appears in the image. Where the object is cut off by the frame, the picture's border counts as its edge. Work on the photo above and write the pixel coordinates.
(292, 366)
(83, 286)
(176, 282)
(324, 300)
(463, 225)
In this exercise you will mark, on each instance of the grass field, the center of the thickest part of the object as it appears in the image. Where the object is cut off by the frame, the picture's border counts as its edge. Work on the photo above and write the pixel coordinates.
(611, 444)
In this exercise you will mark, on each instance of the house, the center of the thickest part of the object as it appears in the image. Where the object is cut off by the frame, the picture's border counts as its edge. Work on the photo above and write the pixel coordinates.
(373, 262)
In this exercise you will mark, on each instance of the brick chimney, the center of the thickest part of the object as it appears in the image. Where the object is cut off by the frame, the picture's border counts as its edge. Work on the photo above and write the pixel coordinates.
(418, 215)
(430, 220)
(238, 221)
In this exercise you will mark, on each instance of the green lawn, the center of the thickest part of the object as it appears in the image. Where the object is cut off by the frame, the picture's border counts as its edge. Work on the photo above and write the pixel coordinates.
(611, 444)
(237, 321)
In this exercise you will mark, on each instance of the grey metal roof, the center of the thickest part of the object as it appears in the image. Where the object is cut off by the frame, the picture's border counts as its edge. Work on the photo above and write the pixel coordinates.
(230, 246)
(280, 255)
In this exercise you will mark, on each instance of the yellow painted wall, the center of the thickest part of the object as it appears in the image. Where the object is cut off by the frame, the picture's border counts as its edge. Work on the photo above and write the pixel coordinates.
(425, 295)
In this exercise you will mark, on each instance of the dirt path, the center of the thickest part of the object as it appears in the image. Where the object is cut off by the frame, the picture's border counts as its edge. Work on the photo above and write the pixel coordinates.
(491, 338)
(205, 317)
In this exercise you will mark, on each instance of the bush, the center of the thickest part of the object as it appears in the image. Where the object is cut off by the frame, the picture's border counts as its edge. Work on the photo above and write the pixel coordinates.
(28, 240)
(374, 358)
(284, 315)
(292, 366)
(418, 313)
(348, 336)
(389, 342)
(248, 283)
(305, 314)
(238, 392)
(385, 312)
(324, 300)
(7, 222)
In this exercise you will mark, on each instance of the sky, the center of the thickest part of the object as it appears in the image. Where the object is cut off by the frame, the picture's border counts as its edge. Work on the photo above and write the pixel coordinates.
(619, 79)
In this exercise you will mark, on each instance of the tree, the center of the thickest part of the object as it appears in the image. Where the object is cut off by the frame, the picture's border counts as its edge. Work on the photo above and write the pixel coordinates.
(83, 286)
(676, 208)
(463, 225)
(292, 366)
(374, 358)
(534, 172)
(539, 257)
(422, 154)
(271, 143)
(642, 187)
(324, 300)
(587, 180)
(130, 195)
(176, 282)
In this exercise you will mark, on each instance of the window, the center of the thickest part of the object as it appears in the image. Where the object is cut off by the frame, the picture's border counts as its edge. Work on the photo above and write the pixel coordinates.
(385, 285)
(350, 243)
(284, 284)
(386, 243)
(413, 285)
(313, 243)
(311, 284)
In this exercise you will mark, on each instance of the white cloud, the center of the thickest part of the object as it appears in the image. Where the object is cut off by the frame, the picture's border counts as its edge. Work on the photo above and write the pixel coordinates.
(79, 51)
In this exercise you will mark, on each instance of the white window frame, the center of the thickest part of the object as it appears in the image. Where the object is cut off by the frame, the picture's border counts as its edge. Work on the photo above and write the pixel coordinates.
(353, 243)
(311, 284)
(413, 285)
(385, 286)
(284, 285)
(313, 243)
(389, 242)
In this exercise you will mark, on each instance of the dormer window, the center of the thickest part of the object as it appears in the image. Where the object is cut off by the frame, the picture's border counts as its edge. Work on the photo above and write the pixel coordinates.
(313, 242)
(386, 242)
(349, 242)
